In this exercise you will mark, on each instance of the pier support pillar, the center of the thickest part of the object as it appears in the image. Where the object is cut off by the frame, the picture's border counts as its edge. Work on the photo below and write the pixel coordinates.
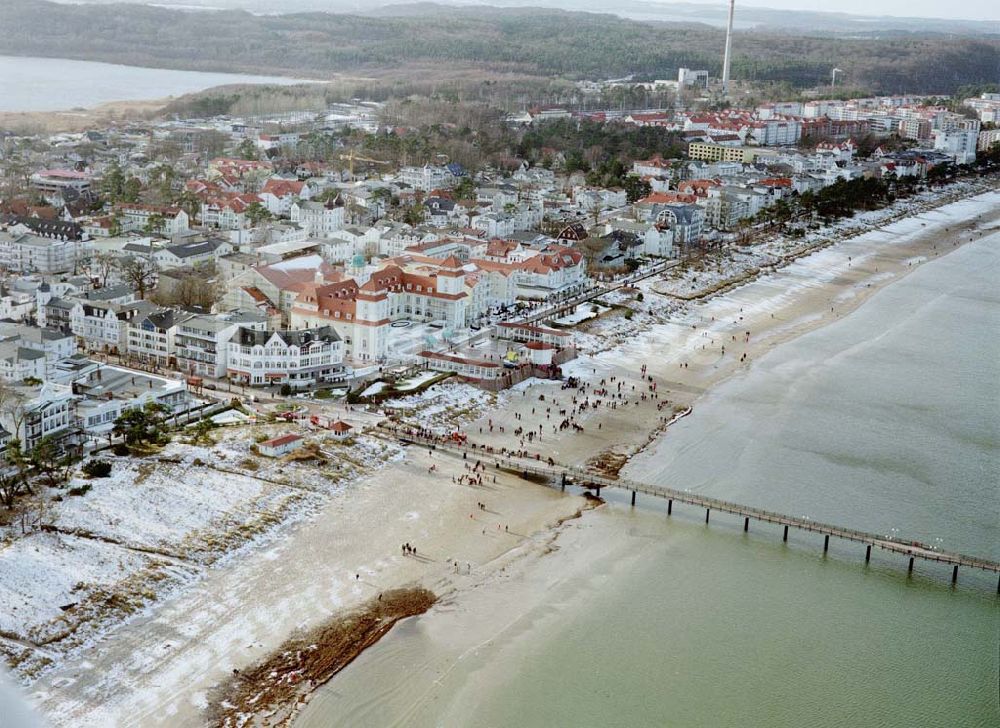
(746, 524)
(826, 543)
(909, 569)
(707, 511)
(868, 553)
(670, 509)
(954, 575)
(633, 498)
(785, 537)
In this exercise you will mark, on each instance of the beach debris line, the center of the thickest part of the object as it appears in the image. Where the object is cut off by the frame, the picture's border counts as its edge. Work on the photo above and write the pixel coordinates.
(270, 692)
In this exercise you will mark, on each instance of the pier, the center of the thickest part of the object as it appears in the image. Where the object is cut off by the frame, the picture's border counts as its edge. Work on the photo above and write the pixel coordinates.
(568, 475)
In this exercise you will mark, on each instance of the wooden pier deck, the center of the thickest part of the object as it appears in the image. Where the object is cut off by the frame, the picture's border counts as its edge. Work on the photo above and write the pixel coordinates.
(566, 475)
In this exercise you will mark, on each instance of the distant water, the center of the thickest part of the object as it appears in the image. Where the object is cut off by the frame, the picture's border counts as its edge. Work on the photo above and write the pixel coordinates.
(887, 419)
(56, 84)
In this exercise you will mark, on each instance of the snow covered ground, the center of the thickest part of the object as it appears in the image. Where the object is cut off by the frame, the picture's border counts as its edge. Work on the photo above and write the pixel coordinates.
(583, 312)
(45, 572)
(155, 524)
(185, 511)
(443, 407)
(407, 385)
(374, 388)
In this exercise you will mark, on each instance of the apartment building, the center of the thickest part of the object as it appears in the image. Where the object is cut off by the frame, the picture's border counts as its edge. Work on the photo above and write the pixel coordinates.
(320, 220)
(103, 326)
(299, 358)
(200, 342)
(152, 338)
(24, 252)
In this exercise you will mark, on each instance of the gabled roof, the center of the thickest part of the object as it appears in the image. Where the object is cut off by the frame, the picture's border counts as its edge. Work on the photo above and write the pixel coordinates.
(282, 187)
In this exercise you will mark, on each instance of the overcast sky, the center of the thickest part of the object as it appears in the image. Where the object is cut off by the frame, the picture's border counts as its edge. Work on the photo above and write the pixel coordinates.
(969, 9)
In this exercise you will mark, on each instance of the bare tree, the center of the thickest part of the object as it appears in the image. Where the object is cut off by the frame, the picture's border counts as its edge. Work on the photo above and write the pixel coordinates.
(37, 514)
(12, 409)
(104, 265)
(138, 272)
(195, 290)
(11, 486)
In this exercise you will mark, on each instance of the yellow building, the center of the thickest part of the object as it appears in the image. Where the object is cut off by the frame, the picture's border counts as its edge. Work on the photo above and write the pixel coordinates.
(707, 152)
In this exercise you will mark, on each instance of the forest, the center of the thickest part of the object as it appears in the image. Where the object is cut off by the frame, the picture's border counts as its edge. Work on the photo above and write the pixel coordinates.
(428, 41)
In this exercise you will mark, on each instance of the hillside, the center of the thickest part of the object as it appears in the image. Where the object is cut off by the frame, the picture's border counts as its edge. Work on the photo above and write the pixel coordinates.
(410, 40)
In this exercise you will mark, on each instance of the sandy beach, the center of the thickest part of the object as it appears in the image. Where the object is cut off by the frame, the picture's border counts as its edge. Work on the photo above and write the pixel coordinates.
(161, 669)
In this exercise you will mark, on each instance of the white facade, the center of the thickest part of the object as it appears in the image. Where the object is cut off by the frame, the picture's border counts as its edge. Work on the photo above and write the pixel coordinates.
(108, 392)
(100, 326)
(426, 178)
(44, 412)
(136, 218)
(960, 145)
(200, 342)
(152, 338)
(300, 358)
(18, 363)
(775, 132)
(318, 220)
(23, 252)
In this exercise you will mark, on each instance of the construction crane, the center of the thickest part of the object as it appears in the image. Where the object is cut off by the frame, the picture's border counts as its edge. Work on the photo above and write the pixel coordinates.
(349, 158)
(833, 77)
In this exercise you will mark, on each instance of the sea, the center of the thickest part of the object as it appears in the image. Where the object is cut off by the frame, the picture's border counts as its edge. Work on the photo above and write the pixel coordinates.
(888, 420)
(57, 84)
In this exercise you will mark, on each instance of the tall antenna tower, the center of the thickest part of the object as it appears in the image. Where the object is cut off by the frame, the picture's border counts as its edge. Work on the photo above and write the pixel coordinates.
(729, 45)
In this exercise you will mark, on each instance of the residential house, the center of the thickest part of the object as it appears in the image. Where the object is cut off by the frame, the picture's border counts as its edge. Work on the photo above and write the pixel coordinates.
(18, 362)
(104, 326)
(41, 411)
(684, 221)
(320, 220)
(159, 219)
(107, 392)
(427, 178)
(53, 345)
(192, 254)
(281, 445)
(278, 194)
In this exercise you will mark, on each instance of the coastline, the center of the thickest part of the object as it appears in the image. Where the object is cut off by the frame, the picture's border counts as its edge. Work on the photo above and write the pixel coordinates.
(776, 307)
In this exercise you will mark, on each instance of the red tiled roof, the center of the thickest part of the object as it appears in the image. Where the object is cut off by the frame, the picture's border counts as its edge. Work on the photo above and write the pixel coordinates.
(282, 187)
(281, 440)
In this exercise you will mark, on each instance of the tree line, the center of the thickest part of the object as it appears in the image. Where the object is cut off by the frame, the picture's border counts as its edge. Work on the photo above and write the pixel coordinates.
(433, 40)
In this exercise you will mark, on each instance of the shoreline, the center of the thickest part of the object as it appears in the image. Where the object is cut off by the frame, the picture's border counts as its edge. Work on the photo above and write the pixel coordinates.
(847, 283)
(272, 691)
(856, 301)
